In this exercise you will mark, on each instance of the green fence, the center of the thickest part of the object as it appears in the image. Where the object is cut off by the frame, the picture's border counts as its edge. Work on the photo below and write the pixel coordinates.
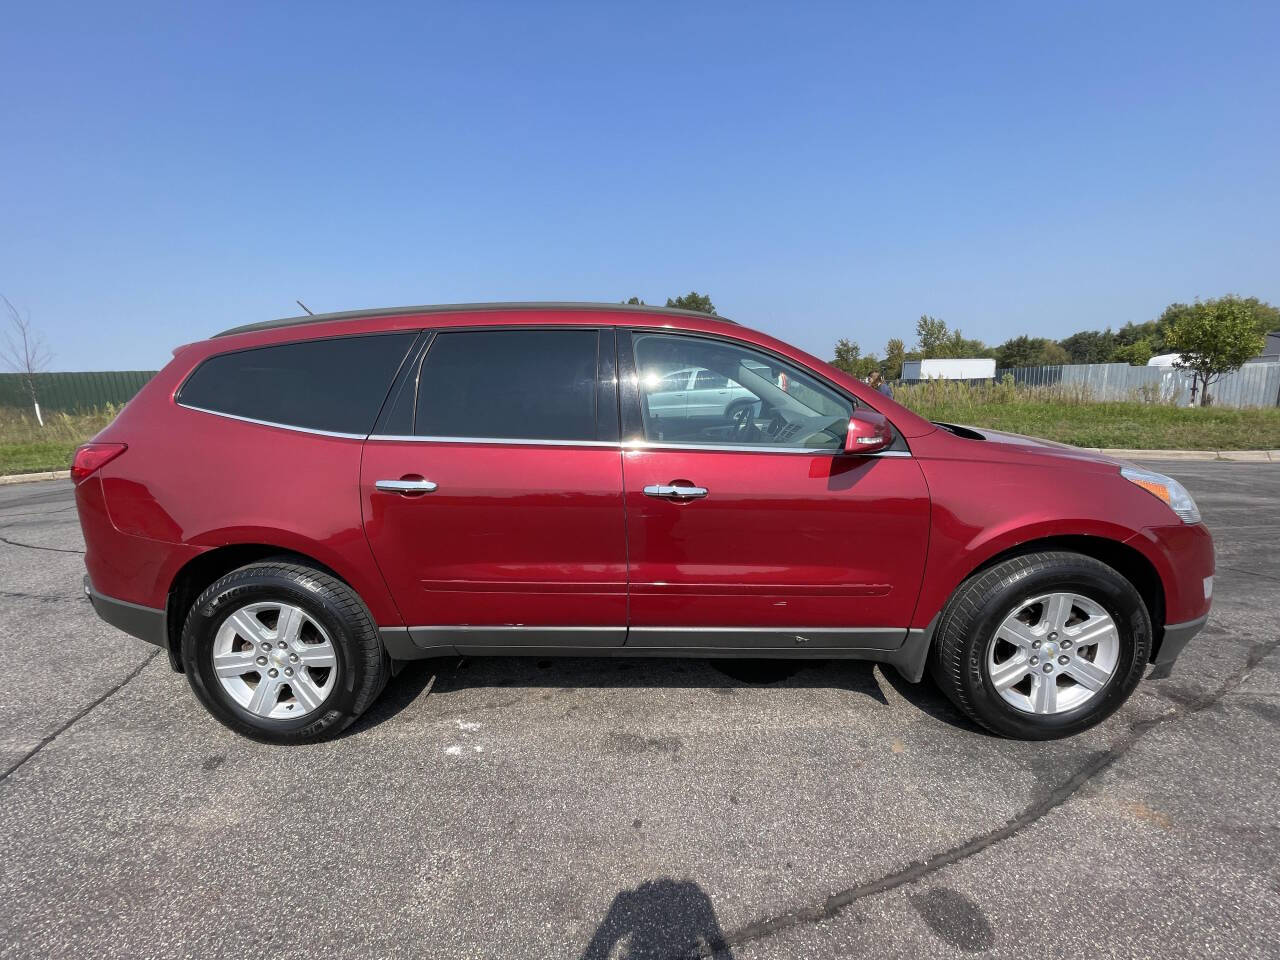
(73, 392)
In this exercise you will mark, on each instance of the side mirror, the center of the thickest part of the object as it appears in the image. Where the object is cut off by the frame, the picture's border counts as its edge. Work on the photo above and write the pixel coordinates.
(869, 432)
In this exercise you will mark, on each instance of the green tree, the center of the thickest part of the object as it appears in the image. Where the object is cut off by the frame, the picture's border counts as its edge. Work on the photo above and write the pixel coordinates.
(895, 353)
(849, 358)
(1153, 332)
(958, 345)
(693, 300)
(933, 339)
(1135, 354)
(847, 355)
(931, 334)
(1090, 346)
(1213, 338)
(1027, 351)
(1265, 316)
(633, 302)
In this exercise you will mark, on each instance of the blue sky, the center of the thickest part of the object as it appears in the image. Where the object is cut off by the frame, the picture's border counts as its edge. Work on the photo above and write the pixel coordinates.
(169, 170)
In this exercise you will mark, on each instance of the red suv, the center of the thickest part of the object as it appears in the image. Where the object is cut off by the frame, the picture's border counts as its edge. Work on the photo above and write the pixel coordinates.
(290, 508)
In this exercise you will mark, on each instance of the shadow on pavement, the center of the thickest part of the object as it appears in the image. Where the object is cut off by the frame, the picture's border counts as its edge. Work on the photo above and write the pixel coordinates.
(716, 675)
(657, 920)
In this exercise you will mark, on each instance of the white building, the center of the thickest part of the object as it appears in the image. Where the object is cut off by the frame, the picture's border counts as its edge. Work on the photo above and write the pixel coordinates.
(971, 368)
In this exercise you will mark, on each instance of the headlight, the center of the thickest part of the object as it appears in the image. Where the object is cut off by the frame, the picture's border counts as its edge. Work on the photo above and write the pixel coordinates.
(1167, 489)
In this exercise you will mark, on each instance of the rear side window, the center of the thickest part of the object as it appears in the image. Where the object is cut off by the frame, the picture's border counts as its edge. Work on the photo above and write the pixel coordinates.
(336, 385)
(509, 385)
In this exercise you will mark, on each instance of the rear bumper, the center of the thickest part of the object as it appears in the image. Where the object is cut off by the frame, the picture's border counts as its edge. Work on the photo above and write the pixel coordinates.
(145, 623)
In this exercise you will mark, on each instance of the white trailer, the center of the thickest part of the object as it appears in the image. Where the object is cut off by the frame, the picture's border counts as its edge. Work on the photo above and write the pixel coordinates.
(970, 368)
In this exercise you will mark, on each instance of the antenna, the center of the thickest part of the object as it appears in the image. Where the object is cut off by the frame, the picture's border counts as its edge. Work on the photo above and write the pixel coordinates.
(304, 307)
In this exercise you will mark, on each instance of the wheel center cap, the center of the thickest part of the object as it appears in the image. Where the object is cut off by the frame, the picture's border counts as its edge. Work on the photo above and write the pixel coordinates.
(1050, 648)
(279, 658)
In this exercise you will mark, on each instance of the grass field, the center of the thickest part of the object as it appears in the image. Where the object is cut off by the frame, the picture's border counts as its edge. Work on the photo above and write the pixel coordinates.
(27, 447)
(1070, 416)
(1050, 412)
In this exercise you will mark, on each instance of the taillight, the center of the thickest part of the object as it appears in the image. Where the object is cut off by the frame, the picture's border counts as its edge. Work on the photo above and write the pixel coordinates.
(94, 456)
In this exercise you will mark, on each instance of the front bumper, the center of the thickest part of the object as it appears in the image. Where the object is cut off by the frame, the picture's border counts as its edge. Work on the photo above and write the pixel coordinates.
(145, 623)
(1176, 636)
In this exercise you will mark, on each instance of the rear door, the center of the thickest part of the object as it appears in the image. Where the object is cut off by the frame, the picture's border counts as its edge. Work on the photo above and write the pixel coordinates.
(756, 530)
(492, 491)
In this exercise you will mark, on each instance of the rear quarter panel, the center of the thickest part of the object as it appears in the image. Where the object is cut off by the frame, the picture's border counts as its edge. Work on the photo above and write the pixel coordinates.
(191, 481)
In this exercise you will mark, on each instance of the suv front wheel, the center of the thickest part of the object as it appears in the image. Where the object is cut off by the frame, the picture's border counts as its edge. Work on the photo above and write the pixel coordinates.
(283, 653)
(1043, 645)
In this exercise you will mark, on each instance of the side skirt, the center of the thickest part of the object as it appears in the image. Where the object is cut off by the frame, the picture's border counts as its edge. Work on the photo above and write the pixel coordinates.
(905, 649)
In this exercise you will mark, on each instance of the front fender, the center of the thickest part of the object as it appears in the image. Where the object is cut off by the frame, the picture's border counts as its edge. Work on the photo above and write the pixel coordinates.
(955, 551)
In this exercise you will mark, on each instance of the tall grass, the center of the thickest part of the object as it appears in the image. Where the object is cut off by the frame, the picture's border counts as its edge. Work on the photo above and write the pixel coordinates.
(27, 447)
(1071, 414)
(21, 426)
(959, 394)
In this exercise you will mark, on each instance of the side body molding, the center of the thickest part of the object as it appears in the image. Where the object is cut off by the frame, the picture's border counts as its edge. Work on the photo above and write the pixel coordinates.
(905, 649)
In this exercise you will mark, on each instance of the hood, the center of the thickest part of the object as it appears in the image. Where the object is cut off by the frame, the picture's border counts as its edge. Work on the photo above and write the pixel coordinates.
(1016, 442)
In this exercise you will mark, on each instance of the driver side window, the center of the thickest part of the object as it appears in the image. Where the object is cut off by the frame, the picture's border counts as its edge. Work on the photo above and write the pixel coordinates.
(739, 397)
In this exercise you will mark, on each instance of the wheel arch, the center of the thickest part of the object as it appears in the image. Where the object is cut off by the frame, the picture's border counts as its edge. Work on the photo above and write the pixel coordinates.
(206, 567)
(1128, 561)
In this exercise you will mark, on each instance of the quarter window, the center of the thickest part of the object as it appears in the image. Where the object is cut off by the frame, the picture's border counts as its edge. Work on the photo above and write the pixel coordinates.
(336, 385)
(509, 385)
(740, 397)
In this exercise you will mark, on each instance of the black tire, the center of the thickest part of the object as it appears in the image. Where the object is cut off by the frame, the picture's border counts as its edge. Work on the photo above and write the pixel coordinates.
(980, 605)
(362, 663)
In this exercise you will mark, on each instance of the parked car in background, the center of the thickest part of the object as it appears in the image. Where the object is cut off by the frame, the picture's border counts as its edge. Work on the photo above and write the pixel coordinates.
(697, 393)
(290, 508)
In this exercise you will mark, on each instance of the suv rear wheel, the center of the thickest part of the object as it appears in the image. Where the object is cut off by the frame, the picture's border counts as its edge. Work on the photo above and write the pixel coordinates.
(283, 653)
(1042, 646)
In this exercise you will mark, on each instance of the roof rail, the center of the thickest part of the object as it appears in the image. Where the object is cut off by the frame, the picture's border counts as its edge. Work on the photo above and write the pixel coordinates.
(463, 308)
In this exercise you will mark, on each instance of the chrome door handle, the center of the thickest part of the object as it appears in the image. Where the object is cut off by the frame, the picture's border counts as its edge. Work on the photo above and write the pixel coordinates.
(674, 491)
(405, 486)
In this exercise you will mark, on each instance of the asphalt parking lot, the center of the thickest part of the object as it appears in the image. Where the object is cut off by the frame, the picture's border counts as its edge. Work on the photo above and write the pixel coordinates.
(627, 808)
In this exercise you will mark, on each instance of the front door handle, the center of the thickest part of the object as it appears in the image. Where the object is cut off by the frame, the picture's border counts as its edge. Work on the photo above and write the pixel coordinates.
(405, 486)
(674, 491)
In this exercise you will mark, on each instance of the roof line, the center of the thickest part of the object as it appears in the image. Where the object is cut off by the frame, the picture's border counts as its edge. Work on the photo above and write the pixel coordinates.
(464, 308)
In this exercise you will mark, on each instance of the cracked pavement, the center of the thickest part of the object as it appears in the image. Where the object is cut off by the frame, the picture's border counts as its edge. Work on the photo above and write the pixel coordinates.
(631, 808)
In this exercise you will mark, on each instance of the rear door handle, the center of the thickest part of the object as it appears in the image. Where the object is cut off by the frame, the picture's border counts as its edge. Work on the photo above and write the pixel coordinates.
(674, 491)
(405, 486)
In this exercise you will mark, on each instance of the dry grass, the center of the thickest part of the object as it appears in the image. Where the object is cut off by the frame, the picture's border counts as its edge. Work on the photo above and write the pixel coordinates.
(27, 447)
(1069, 414)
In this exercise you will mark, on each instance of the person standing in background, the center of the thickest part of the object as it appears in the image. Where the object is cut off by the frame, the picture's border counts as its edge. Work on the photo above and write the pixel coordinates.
(876, 382)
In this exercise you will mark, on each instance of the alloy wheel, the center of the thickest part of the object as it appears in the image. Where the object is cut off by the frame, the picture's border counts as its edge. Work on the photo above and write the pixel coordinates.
(274, 660)
(1053, 653)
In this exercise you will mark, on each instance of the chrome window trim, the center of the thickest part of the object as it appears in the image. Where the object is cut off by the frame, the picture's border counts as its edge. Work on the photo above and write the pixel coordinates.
(628, 445)
(506, 441)
(272, 423)
(755, 448)
(624, 445)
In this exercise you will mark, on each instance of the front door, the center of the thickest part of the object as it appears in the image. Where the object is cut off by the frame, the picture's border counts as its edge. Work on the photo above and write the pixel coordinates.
(496, 518)
(756, 530)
